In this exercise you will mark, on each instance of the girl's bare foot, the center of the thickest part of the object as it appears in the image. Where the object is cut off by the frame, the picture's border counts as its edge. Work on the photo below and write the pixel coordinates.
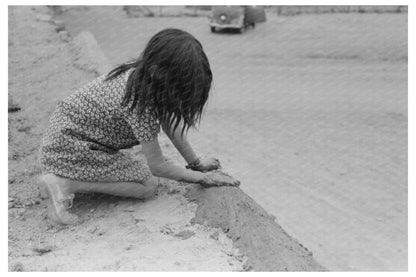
(59, 198)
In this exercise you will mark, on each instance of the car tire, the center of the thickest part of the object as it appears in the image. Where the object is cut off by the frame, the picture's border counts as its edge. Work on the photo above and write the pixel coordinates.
(213, 29)
(240, 30)
(253, 24)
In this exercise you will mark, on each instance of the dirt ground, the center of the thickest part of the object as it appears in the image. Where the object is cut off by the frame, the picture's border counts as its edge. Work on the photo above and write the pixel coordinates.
(115, 234)
(310, 113)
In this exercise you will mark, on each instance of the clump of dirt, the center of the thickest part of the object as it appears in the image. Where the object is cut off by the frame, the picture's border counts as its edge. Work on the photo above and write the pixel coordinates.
(13, 107)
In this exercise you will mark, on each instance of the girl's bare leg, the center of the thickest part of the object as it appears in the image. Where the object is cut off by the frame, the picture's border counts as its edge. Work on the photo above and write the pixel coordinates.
(60, 192)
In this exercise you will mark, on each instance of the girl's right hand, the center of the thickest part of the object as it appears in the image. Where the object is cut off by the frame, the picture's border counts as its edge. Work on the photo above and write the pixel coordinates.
(212, 179)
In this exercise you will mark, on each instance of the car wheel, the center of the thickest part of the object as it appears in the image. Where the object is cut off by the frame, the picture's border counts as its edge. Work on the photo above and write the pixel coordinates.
(213, 29)
(253, 24)
(240, 30)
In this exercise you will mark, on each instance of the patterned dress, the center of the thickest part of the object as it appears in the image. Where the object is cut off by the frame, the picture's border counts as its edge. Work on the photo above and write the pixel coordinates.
(89, 128)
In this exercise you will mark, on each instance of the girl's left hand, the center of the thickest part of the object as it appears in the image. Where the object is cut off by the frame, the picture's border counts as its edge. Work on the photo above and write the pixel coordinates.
(205, 165)
(212, 179)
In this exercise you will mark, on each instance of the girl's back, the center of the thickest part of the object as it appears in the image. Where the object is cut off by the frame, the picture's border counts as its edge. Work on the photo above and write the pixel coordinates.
(94, 114)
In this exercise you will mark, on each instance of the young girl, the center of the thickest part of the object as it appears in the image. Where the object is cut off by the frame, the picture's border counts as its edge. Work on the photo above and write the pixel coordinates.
(167, 86)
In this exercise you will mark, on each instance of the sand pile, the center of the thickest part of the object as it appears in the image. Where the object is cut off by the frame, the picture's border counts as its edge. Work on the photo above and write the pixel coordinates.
(88, 55)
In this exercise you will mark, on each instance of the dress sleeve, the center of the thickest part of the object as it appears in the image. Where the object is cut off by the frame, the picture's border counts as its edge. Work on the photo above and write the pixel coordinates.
(145, 127)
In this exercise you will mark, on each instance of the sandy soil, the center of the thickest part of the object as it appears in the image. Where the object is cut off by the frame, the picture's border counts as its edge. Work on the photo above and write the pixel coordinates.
(115, 234)
(310, 113)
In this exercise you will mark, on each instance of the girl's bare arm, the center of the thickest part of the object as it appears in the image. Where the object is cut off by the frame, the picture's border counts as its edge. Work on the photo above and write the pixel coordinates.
(185, 149)
(161, 168)
(181, 143)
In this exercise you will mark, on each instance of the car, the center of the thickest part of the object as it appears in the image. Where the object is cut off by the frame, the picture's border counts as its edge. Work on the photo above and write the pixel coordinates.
(235, 17)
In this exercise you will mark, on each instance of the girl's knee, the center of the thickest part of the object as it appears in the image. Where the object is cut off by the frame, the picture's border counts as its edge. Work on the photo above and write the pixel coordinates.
(150, 187)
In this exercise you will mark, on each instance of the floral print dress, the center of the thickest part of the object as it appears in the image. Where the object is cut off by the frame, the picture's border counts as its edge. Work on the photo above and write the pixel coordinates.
(89, 128)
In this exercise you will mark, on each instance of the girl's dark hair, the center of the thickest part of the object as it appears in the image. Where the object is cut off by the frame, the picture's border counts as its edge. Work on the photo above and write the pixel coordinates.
(172, 78)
